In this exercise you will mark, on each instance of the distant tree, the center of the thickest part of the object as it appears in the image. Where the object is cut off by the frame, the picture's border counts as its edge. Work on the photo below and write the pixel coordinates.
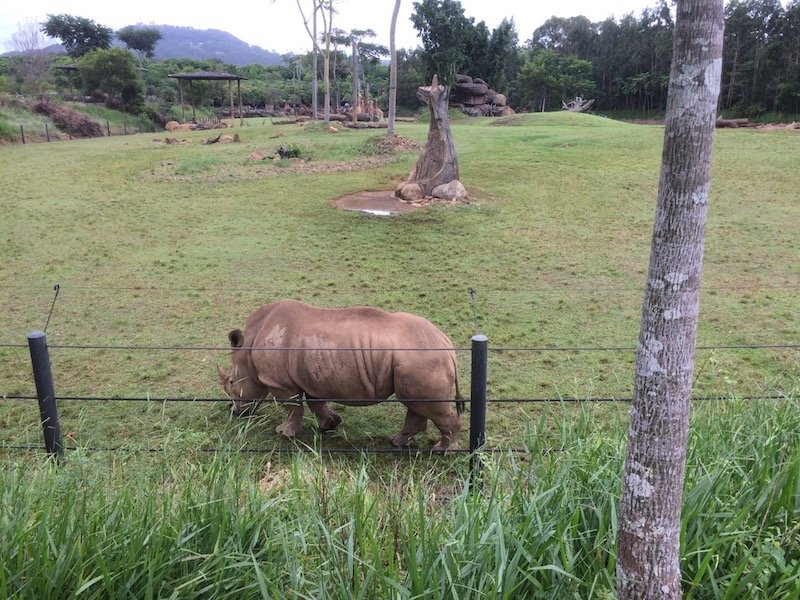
(501, 60)
(393, 71)
(78, 34)
(444, 31)
(113, 76)
(572, 35)
(29, 65)
(550, 77)
(648, 539)
(750, 72)
(323, 9)
(789, 87)
(410, 76)
(142, 40)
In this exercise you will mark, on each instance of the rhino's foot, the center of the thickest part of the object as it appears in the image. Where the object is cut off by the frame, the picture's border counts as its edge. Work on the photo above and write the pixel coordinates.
(330, 421)
(402, 440)
(289, 429)
(443, 446)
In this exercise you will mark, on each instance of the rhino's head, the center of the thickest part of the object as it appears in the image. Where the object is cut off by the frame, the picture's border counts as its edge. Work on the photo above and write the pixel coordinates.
(244, 392)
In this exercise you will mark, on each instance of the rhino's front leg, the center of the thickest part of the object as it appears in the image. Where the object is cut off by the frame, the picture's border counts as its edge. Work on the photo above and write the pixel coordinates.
(328, 419)
(293, 424)
(413, 424)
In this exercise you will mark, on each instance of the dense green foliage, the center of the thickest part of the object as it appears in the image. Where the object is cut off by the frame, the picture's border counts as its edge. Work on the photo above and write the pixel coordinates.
(78, 35)
(623, 63)
(140, 39)
(113, 77)
(629, 58)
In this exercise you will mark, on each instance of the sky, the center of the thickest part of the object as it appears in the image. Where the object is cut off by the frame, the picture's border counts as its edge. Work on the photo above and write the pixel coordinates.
(277, 25)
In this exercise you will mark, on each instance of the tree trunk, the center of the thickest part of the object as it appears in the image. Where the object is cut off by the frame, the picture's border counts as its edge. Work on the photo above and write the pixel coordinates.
(315, 68)
(327, 66)
(393, 71)
(438, 165)
(356, 82)
(648, 560)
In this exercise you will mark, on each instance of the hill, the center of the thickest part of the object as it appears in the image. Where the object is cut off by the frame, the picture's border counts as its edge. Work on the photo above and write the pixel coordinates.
(202, 44)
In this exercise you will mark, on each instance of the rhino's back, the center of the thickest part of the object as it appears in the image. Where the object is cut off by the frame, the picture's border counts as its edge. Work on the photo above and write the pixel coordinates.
(357, 352)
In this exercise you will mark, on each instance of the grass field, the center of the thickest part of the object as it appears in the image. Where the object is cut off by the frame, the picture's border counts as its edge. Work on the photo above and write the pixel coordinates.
(170, 246)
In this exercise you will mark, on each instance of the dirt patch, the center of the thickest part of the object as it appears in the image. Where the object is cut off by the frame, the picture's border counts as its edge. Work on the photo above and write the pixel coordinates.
(386, 204)
(377, 203)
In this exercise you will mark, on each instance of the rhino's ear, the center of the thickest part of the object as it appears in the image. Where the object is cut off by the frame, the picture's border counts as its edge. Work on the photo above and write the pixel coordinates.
(237, 338)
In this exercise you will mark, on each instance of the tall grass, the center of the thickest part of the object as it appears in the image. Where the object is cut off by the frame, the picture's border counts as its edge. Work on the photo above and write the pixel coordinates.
(540, 525)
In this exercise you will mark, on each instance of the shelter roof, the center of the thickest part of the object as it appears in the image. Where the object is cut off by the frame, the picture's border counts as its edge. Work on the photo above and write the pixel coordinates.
(207, 75)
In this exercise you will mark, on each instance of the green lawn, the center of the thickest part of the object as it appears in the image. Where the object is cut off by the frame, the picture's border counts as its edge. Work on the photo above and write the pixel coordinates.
(160, 249)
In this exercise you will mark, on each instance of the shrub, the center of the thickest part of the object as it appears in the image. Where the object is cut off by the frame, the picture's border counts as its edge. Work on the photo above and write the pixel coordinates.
(73, 122)
(290, 151)
(8, 133)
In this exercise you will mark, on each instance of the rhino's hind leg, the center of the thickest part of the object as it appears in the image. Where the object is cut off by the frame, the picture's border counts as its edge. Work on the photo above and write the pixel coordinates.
(328, 419)
(293, 424)
(414, 424)
(449, 424)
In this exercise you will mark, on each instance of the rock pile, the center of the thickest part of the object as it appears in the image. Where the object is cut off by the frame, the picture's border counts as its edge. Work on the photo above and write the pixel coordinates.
(475, 98)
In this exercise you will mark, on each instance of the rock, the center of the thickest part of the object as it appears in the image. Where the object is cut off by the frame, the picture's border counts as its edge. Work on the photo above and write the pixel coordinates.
(475, 98)
(452, 190)
(410, 192)
(175, 126)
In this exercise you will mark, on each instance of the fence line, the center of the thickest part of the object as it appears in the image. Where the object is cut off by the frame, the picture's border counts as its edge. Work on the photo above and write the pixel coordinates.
(142, 125)
(489, 400)
(499, 350)
(46, 396)
(480, 291)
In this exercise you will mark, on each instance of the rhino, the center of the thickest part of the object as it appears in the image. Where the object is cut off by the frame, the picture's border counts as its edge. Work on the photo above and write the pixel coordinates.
(355, 356)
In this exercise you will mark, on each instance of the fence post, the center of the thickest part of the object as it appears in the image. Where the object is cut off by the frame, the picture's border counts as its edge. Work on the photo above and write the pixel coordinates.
(477, 414)
(46, 132)
(45, 392)
(22, 133)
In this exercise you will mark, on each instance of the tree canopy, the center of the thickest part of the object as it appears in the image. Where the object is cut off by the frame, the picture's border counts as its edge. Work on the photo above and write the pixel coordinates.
(142, 40)
(112, 76)
(79, 35)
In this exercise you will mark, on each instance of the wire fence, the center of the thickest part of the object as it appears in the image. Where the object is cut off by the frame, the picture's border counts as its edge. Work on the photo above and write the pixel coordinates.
(499, 353)
(476, 438)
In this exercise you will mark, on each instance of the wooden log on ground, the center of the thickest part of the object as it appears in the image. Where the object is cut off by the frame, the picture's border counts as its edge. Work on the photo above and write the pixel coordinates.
(734, 123)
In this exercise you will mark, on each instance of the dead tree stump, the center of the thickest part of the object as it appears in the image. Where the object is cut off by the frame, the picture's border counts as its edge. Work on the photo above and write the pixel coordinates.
(436, 171)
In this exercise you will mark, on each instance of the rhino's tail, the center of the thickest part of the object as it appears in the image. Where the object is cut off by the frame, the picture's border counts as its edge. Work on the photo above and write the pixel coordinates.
(460, 404)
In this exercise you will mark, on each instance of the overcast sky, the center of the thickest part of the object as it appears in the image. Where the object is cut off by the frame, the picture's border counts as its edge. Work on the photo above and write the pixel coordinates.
(277, 25)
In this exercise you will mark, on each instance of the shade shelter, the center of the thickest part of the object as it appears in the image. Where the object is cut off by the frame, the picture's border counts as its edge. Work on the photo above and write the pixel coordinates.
(211, 76)
(70, 70)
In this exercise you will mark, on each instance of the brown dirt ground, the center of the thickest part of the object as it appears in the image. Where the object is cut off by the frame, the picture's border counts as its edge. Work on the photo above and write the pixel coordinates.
(383, 203)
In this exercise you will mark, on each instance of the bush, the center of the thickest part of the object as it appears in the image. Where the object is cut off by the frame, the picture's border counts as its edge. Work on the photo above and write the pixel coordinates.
(290, 151)
(151, 113)
(73, 122)
(8, 133)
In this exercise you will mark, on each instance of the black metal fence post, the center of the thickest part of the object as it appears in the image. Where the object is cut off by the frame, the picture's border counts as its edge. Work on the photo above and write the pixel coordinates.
(45, 392)
(477, 415)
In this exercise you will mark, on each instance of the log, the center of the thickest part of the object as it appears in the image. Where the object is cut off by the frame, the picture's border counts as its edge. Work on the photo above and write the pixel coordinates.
(733, 123)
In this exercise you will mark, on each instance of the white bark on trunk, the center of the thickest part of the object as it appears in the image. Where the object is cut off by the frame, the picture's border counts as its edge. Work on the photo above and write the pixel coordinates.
(393, 71)
(648, 544)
